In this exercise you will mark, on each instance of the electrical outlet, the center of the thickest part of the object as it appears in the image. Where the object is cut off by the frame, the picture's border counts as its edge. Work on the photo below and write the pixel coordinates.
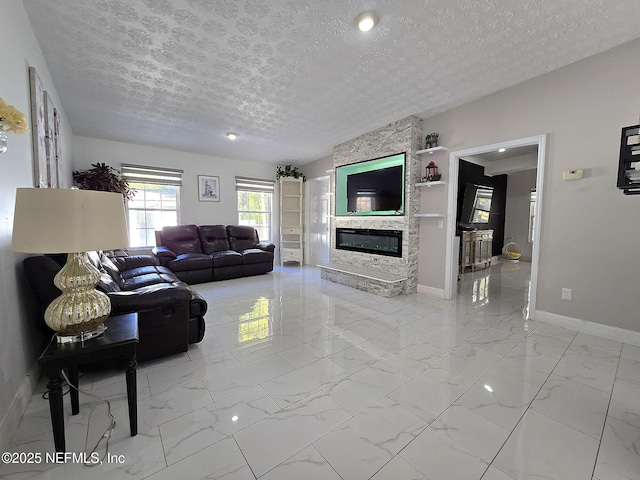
(566, 294)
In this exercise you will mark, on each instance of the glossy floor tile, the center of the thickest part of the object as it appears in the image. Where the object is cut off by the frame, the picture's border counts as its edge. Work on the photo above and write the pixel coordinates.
(301, 378)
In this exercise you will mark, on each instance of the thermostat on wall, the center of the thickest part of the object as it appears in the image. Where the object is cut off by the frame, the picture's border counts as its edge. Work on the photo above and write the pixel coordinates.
(572, 174)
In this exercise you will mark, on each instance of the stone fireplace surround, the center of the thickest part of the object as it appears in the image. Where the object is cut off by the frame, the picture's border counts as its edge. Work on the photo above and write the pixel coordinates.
(380, 274)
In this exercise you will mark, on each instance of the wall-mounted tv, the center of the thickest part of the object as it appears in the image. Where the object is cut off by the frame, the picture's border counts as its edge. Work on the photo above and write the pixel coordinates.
(373, 187)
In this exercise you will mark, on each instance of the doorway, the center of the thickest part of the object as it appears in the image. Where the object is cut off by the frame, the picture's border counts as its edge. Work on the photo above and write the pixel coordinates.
(451, 253)
(317, 197)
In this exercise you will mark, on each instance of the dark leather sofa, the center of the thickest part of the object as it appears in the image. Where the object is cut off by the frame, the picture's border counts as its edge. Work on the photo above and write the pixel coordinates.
(205, 253)
(170, 314)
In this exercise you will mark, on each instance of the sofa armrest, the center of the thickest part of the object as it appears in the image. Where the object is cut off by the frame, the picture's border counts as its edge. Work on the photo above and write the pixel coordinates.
(164, 255)
(266, 246)
(148, 298)
(134, 261)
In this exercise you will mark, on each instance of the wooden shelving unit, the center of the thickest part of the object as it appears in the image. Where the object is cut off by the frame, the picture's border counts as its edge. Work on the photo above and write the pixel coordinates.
(291, 211)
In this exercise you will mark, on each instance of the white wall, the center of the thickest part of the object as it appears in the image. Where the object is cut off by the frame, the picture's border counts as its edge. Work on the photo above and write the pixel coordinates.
(588, 226)
(92, 150)
(516, 221)
(17, 350)
(318, 168)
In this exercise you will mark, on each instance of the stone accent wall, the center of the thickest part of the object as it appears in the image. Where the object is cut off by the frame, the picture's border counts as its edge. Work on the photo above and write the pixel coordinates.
(402, 136)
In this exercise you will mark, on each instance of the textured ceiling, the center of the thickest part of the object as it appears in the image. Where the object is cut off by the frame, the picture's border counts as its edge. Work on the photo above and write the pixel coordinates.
(294, 77)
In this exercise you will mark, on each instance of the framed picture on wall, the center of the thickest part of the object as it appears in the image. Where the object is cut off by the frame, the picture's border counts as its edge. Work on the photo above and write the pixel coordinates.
(50, 141)
(208, 188)
(38, 127)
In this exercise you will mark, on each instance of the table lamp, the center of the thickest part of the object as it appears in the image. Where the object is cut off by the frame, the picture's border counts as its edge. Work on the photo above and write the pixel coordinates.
(56, 220)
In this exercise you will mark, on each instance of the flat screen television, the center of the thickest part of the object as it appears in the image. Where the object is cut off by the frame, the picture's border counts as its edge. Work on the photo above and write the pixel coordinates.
(373, 187)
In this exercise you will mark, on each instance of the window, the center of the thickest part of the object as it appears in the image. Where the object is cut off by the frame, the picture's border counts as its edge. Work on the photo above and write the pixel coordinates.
(156, 203)
(255, 198)
(482, 205)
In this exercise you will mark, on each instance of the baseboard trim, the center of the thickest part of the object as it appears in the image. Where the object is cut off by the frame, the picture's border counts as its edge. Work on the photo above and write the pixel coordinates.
(592, 328)
(438, 292)
(18, 406)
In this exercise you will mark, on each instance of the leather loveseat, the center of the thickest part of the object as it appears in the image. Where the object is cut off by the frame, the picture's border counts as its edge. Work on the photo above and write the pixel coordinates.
(170, 314)
(205, 253)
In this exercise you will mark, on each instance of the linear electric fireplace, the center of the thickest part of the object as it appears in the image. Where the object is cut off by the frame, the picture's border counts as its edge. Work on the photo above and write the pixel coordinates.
(366, 240)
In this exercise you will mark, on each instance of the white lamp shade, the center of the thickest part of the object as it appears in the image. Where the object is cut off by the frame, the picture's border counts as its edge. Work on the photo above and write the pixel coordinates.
(57, 220)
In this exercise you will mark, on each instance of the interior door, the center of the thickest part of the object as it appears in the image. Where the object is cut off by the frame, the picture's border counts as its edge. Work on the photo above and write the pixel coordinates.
(317, 212)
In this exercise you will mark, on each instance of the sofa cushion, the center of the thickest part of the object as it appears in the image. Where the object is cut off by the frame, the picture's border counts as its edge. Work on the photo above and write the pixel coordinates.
(226, 259)
(213, 238)
(159, 270)
(242, 237)
(181, 239)
(146, 280)
(255, 255)
(190, 261)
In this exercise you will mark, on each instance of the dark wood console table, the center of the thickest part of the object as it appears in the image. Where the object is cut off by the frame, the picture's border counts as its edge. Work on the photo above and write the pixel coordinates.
(119, 340)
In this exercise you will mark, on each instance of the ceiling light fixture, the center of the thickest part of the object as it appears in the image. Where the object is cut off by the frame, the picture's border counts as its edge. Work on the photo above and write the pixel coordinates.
(488, 388)
(231, 135)
(502, 150)
(366, 21)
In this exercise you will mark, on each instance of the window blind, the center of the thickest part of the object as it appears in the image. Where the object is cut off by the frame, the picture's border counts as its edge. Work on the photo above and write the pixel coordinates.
(147, 174)
(247, 184)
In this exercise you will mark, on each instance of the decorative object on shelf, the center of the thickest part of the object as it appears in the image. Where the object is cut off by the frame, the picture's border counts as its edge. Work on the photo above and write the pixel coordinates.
(432, 173)
(431, 140)
(12, 120)
(208, 188)
(629, 163)
(57, 220)
(289, 171)
(103, 178)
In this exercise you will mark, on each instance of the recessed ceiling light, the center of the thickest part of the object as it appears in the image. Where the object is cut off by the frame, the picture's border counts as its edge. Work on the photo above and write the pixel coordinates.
(488, 388)
(502, 150)
(366, 21)
(231, 135)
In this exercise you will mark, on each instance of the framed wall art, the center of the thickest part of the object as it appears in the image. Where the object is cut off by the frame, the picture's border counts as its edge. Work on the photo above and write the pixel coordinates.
(38, 130)
(50, 141)
(208, 188)
(58, 146)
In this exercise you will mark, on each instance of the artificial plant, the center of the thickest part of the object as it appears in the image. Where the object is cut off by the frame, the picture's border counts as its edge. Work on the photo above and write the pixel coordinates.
(104, 178)
(289, 171)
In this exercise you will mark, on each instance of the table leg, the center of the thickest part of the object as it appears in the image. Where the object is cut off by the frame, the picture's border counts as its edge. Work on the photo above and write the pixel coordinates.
(73, 392)
(132, 395)
(55, 407)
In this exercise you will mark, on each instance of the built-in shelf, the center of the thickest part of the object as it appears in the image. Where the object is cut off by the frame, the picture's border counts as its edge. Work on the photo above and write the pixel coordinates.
(429, 215)
(291, 192)
(430, 184)
(432, 150)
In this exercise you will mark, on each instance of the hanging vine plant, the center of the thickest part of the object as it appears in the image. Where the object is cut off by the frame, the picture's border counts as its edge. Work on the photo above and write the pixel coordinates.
(103, 178)
(289, 171)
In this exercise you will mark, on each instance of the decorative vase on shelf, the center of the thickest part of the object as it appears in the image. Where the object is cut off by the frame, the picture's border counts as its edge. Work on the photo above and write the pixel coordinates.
(3, 141)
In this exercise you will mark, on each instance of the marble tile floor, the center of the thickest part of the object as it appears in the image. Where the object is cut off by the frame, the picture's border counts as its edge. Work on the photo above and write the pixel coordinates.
(300, 378)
